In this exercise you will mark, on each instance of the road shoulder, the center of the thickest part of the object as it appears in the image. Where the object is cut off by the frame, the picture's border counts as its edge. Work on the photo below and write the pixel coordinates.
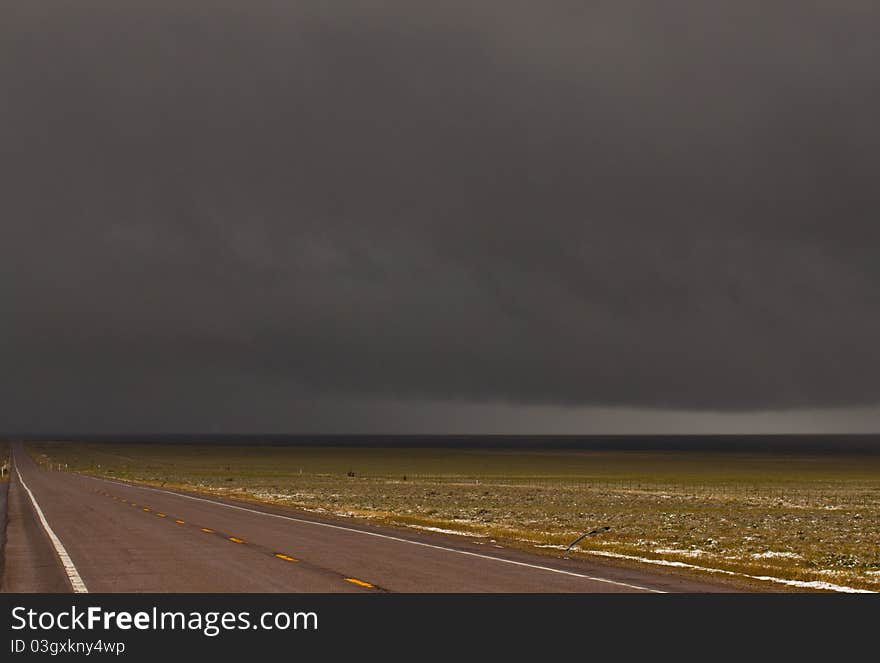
(30, 562)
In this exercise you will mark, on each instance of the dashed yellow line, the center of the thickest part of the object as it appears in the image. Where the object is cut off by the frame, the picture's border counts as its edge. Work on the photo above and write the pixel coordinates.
(359, 582)
(234, 539)
(158, 514)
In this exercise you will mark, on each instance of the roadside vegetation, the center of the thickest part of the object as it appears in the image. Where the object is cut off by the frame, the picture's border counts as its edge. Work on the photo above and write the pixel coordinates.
(4, 460)
(809, 518)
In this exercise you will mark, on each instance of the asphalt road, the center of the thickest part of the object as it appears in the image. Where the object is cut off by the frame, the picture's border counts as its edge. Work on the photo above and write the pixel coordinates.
(71, 532)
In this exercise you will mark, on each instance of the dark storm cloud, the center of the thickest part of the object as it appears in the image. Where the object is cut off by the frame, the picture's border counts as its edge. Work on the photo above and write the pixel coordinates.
(208, 205)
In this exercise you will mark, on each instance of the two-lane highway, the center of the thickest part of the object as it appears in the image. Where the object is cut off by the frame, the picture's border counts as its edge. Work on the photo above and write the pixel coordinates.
(72, 532)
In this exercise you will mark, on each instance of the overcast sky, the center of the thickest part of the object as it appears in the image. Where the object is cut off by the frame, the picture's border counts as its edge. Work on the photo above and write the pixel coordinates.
(486, 215)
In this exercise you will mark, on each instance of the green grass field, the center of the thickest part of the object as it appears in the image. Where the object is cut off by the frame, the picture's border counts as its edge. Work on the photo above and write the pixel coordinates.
(798, 517)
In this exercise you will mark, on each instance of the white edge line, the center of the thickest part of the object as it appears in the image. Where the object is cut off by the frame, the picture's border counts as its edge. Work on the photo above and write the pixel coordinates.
(381, 536)
(76, 582)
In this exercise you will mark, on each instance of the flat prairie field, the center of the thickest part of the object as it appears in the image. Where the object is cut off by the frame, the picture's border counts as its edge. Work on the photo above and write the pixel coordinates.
(810, 519)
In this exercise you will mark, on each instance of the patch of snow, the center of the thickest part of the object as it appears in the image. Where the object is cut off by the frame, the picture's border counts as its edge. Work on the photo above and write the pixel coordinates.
(446, 531)
(774, 554)
(677, 551)
(274, 496)
(806, 584)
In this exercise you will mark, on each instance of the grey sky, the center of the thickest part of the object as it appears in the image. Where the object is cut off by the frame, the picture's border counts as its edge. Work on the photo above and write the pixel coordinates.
(517, 216)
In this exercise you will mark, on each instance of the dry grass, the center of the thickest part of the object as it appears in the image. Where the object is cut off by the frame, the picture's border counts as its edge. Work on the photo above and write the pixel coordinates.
(800, 517)
(4, 457)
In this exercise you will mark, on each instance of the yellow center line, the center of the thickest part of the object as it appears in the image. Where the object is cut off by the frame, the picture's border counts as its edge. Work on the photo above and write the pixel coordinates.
(235, 539)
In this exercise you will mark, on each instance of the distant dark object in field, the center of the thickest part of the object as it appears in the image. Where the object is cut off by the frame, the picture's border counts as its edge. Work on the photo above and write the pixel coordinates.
(230, 478)
(350, 473)
(404, 477)
(598, 530)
